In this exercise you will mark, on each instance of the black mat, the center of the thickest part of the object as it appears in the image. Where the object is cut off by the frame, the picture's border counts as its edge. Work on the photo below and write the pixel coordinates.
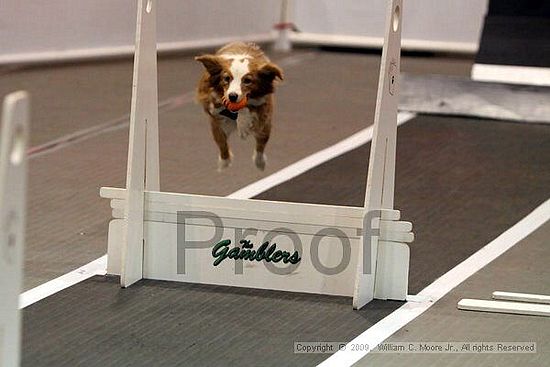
(461, 182)
(516, 33)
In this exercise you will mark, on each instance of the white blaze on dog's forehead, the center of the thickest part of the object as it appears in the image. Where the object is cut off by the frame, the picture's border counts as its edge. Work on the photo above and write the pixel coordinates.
(234, 56)
(239, 67)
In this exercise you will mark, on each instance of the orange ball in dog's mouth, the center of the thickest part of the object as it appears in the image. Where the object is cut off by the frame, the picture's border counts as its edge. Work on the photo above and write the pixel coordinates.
(235, 106)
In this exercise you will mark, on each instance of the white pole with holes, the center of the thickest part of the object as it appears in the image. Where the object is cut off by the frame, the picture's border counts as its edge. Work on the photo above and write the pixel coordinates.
(143, 149)
(383, 264)
(283, 42)
(13, 183)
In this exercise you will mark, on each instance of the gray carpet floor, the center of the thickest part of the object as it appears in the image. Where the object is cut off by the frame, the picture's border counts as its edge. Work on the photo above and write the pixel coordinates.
(461, 183)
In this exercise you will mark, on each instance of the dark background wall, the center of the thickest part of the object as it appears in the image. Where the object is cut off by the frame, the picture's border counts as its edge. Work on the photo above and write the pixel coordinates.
(516, 32)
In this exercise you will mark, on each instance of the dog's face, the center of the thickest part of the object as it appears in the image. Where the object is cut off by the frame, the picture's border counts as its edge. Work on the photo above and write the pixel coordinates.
(238, 76)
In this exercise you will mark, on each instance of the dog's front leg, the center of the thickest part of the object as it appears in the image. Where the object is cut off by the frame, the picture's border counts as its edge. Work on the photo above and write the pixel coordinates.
(262, 137)
(220, 137)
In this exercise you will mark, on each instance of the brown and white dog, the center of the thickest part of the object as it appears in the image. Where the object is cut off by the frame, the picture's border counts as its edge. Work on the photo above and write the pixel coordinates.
(238, 73)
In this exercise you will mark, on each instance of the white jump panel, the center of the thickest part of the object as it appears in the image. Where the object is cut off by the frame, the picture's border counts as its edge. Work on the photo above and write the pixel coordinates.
(326, 238)
(13, 168)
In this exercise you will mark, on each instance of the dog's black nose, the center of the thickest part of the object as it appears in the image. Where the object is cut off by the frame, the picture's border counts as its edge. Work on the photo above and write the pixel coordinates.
(233, 96)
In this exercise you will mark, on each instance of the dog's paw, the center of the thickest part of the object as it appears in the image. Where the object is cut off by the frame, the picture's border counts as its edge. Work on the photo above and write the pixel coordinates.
(224, 163)
(259, 160)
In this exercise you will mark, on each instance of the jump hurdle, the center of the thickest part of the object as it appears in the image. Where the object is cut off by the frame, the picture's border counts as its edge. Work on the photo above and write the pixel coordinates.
(318, 248)
(13, 177)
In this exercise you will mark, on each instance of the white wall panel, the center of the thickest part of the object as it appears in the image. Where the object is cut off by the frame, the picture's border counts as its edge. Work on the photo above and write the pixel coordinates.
(437, 24)
(39, 30)
(33, 30)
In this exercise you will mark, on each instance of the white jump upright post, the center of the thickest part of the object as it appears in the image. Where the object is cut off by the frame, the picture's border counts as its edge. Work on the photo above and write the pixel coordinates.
(388, 262)
(13, 183)
(285, 246)
(143, 152)
(282, 42)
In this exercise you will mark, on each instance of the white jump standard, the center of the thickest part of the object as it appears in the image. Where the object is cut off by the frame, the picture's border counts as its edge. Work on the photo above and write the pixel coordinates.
(254, 243)
(13, 184)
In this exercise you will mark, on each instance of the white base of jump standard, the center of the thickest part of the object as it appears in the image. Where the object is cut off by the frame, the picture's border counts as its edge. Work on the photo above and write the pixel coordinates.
(253, 243)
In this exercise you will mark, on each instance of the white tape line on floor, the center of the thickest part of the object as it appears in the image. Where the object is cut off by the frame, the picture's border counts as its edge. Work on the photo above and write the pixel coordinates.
(440, 287)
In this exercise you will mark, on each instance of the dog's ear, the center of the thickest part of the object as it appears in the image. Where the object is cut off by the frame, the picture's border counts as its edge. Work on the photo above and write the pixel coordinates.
(212, 63)
(271, 71)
